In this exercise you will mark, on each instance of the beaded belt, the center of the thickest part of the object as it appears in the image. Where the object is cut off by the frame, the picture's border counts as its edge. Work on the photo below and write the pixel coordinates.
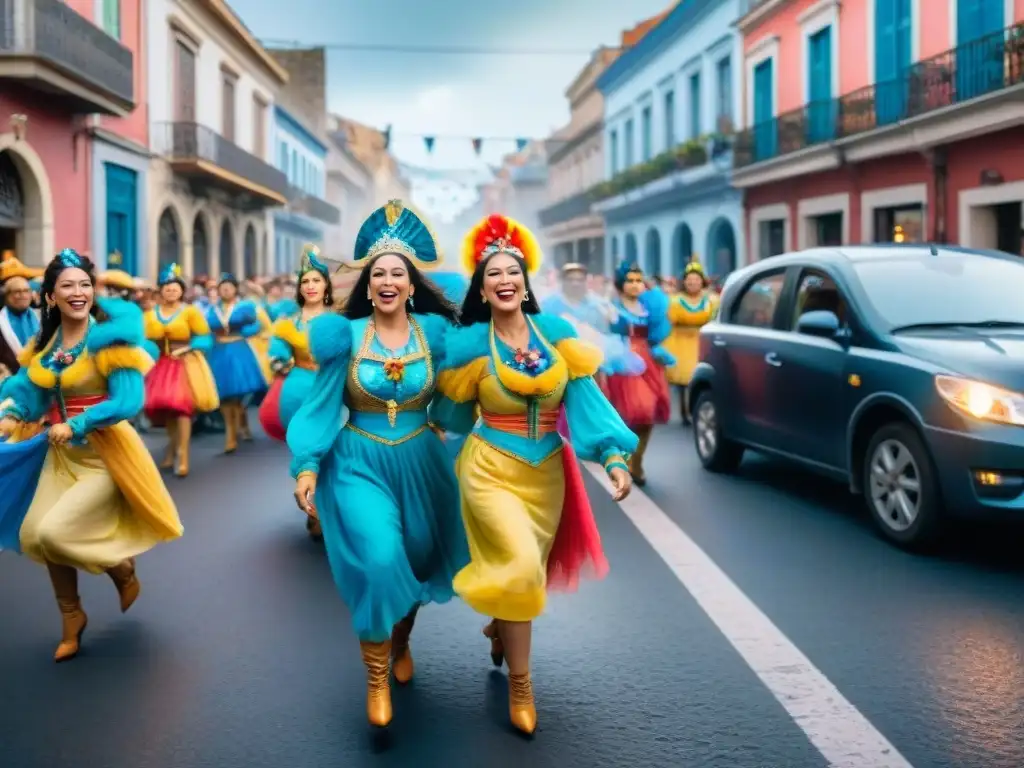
(543, 423)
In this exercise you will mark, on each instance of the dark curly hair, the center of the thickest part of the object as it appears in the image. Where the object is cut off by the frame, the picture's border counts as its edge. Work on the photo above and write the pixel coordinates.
(50, 320)
(429, 299)
(476, 310)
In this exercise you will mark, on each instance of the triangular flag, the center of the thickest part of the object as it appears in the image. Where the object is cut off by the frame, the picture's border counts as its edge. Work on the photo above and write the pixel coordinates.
(429, 141)
(521, 144)
(478, 145)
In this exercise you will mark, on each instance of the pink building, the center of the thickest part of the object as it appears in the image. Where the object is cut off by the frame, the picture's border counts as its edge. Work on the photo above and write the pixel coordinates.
(56, 69)
(869, 121)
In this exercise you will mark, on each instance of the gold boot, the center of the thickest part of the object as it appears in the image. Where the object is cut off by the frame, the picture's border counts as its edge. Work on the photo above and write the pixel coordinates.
(401, 657)
(521, 709)
(172, 444)
(184, 443)
(497, 647)
(73, 618)
(126, 583)
(377, 657)
(230, 416)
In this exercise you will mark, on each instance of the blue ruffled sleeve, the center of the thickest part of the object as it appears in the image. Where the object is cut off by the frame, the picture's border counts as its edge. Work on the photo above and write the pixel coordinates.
(280, 351)
(28, 401)
(316, 425)
(454, 405)
(598, 432)
(126, 395)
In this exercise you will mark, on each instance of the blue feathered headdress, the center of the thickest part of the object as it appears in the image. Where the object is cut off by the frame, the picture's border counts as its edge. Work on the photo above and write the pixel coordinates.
(395, 228)
(171, 274)
(625, 269)
(309, 261)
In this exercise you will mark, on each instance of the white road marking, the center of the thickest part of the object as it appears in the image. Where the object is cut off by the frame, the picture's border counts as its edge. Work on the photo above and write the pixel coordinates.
(845, 738)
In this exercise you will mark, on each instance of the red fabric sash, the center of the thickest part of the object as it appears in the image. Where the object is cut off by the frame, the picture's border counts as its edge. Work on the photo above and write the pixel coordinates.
(75, 405)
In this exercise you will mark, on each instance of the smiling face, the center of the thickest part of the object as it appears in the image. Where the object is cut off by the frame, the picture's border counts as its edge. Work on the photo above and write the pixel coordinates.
(390, 286)
(634, 285)
(313, 287)
(171, 293)
(504, 283)
(73, 294)
(17, 294)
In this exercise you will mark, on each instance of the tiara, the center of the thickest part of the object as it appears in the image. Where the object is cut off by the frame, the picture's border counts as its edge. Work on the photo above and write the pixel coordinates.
(388, 243)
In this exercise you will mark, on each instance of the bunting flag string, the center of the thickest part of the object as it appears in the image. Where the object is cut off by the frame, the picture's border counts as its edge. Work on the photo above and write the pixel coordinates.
(477, 142)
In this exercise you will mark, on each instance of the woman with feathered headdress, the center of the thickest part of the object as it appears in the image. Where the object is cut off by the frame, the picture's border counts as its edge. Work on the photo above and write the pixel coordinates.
(290, 358)
(688, 311)
(382, 482)
(86, 495)
(237, 358)
(181, 383)
(642, 398)
(525, 508)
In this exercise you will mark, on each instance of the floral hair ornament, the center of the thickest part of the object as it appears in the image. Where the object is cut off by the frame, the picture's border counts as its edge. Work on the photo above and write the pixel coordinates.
(500, 234)
(310, 261)
(69, 259)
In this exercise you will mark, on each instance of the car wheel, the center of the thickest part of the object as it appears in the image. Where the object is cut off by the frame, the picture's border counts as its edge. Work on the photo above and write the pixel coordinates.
(900, 488)
(716, 452)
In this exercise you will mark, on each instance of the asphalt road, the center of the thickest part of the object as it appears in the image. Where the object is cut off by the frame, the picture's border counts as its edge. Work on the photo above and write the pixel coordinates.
(239, 653)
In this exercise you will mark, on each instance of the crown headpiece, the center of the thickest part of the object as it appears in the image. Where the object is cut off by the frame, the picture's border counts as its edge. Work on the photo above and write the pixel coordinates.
(397, 228)
(500, 234)
(694, 267)
(310, 261)
(172, 273)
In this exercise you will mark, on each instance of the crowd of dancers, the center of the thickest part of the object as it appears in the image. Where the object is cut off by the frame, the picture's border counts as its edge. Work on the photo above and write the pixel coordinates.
(363, 388)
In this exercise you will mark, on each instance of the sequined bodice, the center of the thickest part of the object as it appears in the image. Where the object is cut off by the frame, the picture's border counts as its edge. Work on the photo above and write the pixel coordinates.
(385, 380)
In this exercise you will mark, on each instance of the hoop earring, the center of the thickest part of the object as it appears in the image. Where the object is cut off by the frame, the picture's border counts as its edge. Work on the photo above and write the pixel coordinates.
(526, 296)
(327, 301)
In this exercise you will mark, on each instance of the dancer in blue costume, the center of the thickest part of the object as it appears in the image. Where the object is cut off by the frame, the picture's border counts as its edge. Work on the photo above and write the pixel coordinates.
(382, 484)
(235, 359)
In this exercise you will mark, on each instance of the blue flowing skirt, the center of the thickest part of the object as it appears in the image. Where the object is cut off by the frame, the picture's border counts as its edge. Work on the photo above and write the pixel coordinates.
(20, 467)
(392, 526)
(294, 392)
(236, 370)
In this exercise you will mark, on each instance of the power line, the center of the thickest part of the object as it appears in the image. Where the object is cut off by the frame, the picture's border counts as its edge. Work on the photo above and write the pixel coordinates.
(443, 50)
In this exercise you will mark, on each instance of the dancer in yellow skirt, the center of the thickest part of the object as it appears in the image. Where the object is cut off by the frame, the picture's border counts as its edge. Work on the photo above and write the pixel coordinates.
(688, 311)
(526, 513)
(86, 496)
(181, 383)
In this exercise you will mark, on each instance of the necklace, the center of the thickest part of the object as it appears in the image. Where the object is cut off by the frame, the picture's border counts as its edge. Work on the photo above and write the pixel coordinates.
(63, 358)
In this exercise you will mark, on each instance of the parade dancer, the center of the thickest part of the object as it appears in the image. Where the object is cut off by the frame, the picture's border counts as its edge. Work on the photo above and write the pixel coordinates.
(382, 484)
(290, 357)
(642, 399)
(181, 384)
(85, 496)
(239, 367)
(688, 311)
(525, 508)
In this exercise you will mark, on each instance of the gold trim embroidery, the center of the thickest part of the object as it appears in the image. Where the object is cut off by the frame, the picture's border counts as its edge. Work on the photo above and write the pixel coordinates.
(385, 441)
(391, 407)
(514, 456)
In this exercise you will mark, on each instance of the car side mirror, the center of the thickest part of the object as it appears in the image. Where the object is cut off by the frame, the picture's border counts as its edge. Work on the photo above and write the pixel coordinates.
(820, 322)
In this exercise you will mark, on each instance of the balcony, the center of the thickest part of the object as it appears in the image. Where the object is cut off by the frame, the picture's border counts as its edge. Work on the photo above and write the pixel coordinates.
(571, 208)
(46, 46)
(312, 206)
(209, 160)
(953, 79)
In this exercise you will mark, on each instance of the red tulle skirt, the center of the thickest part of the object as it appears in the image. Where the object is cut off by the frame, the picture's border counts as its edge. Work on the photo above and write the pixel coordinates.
(168, 394)
(641, 400)
(577, 547)
(270, 410)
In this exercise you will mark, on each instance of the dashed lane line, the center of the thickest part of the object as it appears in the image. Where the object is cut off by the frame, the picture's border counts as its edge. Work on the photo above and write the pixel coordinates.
(837, 729)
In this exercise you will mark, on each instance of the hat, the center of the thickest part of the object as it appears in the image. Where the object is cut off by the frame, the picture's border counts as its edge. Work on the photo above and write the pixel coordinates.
(396, 228)
(11, 267)
(500, 234)
(171, 274)
(573, 266)
(116, 278)
(309, 261)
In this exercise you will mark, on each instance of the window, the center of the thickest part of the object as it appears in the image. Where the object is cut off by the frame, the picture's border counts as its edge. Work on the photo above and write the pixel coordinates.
(724, 75)
(670, 120)
(818, 292)
(112, 18)
(613, 150)
(629, 144)
(695, 122)
(228, 105)
(771, 236)
(259, 130)
(756, 308)
(902, 224)
(184, 82)
(645, 134)
(293, 177)
(283, 158)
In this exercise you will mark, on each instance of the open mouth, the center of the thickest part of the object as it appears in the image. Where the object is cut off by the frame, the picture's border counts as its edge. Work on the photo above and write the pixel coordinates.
(506, 294)
(77, 305)
(387, 296)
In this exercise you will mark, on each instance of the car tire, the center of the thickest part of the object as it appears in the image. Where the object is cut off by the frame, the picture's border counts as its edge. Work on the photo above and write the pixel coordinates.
(897, 451)
(716, 452)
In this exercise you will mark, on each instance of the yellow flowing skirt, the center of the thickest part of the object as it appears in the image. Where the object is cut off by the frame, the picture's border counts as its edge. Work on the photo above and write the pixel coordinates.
(511, 511)
(200, 382)
(98, 504)
(684, 344)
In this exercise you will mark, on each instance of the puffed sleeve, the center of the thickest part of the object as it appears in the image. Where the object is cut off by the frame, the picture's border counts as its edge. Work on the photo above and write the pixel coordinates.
(199, 328)
(316, 425)
(465, 364)
(124, 366)
(282, 337)
(25, 401)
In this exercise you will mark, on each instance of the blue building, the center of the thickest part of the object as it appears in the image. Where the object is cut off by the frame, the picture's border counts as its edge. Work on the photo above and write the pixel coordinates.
(669, 101)
(303, 158)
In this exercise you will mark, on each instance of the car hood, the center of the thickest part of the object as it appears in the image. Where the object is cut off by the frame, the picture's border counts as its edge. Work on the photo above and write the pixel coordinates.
(995, 356)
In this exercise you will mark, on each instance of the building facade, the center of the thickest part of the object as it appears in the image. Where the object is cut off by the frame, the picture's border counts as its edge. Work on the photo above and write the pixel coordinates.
(575, 165)
(519, 189)
(669, 105)
(880, 121)
(57, 67)
(213, 181)
(303, 158)
(351, 185)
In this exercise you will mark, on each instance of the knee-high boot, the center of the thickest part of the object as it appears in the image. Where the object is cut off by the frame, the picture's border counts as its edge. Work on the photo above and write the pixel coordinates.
(172, 444)
(684, 410)
(401, 656)
(377, 658)
(184, 443)
(229, 412)
(636, 463)
(73, 619)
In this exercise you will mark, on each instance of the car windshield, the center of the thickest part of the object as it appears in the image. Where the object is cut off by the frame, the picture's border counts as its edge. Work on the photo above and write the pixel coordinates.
(950, 289)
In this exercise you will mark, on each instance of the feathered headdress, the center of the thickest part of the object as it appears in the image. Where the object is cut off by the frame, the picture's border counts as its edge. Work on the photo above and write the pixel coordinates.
(500, 234)
(397, 228)
(625, 269)
(309, 262)
(171, 274)
(11, 267)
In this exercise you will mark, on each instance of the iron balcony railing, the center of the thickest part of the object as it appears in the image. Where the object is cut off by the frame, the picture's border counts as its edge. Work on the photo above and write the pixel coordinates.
(981, 67)
(190, 141)
(566, 210)
(50, 30)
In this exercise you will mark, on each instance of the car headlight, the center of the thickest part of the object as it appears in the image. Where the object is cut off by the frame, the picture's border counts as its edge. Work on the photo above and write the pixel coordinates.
(981, 401)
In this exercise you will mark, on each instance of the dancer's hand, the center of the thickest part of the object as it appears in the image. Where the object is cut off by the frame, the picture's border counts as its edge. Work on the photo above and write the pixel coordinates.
(7, 426)
(60, 434)
(621, 482)
(305, 491)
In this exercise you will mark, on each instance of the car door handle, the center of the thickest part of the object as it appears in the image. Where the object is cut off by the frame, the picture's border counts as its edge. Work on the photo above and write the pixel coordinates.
(773, 360)
(718, 342)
